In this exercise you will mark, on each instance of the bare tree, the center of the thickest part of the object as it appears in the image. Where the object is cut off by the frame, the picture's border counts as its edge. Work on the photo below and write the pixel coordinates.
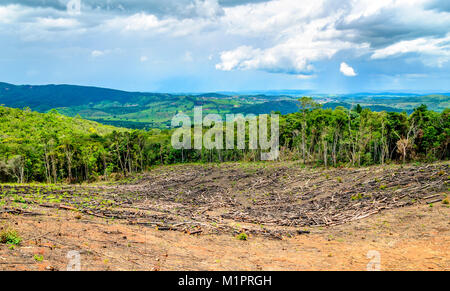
(16, 166)
(405, 144)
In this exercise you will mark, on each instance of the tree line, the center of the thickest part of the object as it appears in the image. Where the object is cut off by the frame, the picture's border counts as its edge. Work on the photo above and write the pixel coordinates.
(53, 148)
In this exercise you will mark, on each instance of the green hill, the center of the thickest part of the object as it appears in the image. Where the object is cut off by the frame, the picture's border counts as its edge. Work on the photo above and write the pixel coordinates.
(140, 110)
(55, 148)
(27, 125)
(34, 145)
(120, 108)
(47, 97)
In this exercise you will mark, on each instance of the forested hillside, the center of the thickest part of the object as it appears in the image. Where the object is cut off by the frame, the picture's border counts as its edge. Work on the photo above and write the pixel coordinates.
(36, 146)
(139, 110)
(362, 137)
(47, 97)
(51, 147)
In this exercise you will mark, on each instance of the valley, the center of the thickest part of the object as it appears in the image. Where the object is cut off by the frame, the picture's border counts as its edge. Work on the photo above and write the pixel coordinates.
(350, 185)
(225, 135)
(140, 110)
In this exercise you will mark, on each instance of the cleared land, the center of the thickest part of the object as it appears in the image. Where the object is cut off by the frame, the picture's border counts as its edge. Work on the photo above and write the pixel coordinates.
(188, 217)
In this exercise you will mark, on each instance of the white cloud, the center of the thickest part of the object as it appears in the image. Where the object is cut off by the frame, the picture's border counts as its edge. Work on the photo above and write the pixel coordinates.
(106, 52)
(296, 34)
(49, 23)
(207, 8)
(274, 18)
(236, 59)
(10, 13)
(347, 70)
(438, 48)
(305, 77)
(295, 55)
(38, 24)
(97, 53)
(278, 36)
(101, 53)
(150, 25)
(143, 21)
(143, 59)
(300, 33)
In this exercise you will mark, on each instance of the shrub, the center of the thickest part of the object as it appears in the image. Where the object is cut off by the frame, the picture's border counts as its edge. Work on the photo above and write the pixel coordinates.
(242, 236)
(358, 196)
(38, 258)
(10, 236)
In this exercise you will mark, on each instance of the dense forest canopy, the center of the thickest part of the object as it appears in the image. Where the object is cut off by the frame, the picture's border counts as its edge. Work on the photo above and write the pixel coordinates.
(54, 148)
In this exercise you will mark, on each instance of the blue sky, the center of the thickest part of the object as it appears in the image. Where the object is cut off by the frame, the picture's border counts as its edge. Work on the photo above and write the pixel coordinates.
(326, 46)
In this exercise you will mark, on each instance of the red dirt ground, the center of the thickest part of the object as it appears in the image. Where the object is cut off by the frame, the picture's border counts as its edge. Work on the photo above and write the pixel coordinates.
(413, 237)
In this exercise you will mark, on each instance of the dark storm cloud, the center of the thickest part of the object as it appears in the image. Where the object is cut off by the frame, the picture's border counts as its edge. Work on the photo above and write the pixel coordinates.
(56, 4)
(390, 26)
(440, 5)
(239, 2)
(177, 8)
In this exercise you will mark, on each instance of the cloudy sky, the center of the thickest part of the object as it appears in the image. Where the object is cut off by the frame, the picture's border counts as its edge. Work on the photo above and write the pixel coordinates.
(327, 46)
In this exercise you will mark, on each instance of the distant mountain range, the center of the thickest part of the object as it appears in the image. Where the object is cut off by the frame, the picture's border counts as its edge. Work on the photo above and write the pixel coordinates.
(155, 110)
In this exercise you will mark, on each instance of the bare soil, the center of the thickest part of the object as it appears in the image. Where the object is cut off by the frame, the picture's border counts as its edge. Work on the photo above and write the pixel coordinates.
(187, 217)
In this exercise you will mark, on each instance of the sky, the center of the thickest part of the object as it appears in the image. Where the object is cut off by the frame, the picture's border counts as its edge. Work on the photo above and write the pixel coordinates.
(325, 46)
